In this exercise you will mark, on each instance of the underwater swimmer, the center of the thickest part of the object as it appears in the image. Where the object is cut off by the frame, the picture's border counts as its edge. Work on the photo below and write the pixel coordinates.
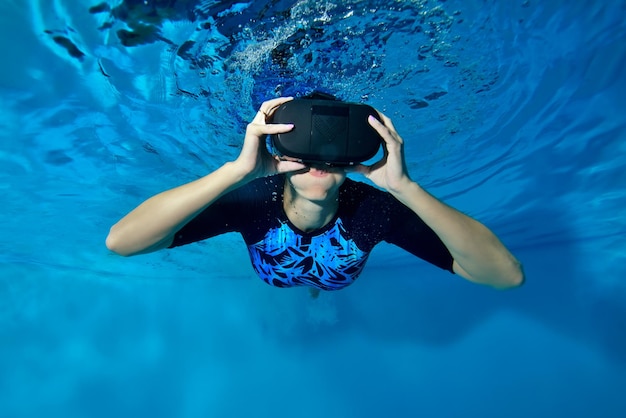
(307, 224)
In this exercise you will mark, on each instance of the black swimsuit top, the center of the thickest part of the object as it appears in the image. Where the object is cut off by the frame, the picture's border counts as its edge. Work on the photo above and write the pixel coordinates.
(329, 258)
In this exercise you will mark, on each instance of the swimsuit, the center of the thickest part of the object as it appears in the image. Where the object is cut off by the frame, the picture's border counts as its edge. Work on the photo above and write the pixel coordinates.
(328, 258)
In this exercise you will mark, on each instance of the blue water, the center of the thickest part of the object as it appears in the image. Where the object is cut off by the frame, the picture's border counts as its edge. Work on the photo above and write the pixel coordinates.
(512, 112)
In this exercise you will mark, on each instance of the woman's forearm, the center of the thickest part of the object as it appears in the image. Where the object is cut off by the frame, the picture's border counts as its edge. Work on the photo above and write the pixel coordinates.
(151, 226)
(478, 254)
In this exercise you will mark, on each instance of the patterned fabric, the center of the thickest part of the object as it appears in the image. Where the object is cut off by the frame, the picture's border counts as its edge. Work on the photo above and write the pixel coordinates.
(328, 261)
(330, 258)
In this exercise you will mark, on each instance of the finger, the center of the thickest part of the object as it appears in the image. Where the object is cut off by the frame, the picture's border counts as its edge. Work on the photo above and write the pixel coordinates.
(261, 129)
(390, 136)
(268, 108)
(359, 168)
(287, 158)
(386, 121)
(382, 130)
(272, 104)
(284, 166)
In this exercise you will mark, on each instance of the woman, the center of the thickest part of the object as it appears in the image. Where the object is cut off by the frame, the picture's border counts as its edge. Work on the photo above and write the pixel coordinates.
(310, 225)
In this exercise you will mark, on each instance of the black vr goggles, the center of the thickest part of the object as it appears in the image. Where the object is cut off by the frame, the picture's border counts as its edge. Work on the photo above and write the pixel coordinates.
(325, 131)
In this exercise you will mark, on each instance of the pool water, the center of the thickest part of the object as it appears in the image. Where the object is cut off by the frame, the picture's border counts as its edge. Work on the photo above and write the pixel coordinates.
(512, 112)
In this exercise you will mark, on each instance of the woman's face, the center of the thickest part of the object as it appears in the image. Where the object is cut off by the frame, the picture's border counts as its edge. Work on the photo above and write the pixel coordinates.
(317, 183)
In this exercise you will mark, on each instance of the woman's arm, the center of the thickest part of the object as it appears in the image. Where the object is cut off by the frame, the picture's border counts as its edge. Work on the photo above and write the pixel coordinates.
(478, 254)
(152, 225)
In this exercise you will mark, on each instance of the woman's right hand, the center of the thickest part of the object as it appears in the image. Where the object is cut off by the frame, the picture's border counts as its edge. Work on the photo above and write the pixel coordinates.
(255, 161)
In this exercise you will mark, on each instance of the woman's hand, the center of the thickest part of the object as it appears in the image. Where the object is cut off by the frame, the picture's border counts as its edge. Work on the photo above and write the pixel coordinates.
(390, 172)
(478, 254)
(255, 161)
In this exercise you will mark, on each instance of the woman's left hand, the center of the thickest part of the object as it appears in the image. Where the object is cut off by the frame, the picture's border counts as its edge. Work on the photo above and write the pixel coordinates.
(390, 172)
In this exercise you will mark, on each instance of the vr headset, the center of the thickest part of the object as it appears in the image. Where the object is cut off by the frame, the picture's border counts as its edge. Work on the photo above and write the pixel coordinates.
(329, 132)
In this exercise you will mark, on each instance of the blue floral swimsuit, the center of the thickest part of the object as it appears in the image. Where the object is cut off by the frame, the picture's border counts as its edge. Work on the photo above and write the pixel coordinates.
(329, 258)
